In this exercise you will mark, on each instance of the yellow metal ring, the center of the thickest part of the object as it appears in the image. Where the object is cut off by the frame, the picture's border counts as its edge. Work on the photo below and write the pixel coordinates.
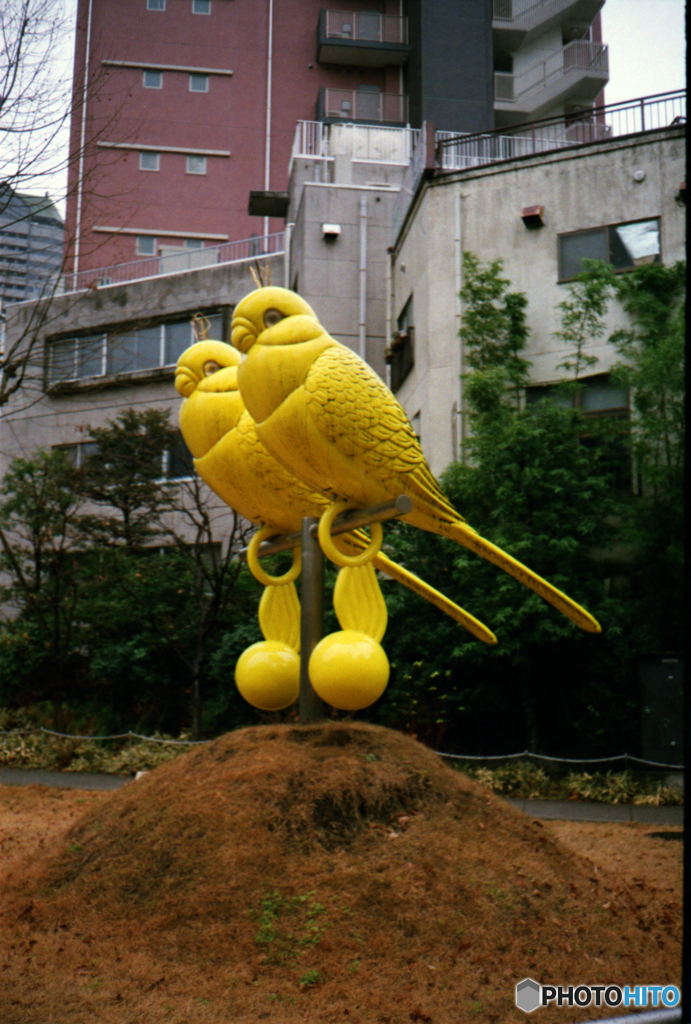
(330, 549)
(256, 569)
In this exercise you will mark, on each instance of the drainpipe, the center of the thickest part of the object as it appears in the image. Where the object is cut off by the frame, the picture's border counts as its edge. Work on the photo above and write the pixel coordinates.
(363, 277)
(267, 144)
(82, 145)
(458, 284)
(388, 327)
(287, 241)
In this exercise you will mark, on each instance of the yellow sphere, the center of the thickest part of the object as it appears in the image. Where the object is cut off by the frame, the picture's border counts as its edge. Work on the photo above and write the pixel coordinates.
(349, 670)
(267, 675)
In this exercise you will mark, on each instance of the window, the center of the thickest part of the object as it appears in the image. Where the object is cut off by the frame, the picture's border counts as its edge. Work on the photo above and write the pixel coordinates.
(196, 164)
(625, 246)
(180, 335)
(199, 83)
(155, 5)
(134, 350)
(146, 245)
(194, 243)
(401, 352)
(178, 462)
(201, 6)
(153, 79)
(91, 356)
(129, 351)
(149, 161)
(77, 453)
(599, 399)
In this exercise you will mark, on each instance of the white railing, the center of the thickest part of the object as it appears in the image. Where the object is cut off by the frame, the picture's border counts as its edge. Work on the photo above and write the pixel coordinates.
(579, 56)
(174, 263)
(365, 106)
(649, 113)
(372, 143)
(526, 14)
(362, 27)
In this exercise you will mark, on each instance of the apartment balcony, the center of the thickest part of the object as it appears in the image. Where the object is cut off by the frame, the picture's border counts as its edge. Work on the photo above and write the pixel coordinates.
(362, 106)
(361, 39)
(574, 75)
(516, 22)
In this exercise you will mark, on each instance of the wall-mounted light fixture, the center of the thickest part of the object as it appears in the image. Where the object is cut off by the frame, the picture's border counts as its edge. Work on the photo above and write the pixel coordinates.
(331, 231)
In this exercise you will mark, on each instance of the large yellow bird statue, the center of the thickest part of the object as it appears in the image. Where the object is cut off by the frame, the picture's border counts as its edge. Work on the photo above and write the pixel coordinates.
(327, 416)
(231, 459)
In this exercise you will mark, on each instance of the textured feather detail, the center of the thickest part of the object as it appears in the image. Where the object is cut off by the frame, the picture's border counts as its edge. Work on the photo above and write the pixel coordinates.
(520, 572)
(353, 408)
(279, 615)
(358, 601)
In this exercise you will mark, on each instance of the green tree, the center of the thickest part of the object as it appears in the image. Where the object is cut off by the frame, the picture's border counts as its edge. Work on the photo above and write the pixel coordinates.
(42, 544)
(652, 366)
(124, 478)
(197, 538)
(538, 481)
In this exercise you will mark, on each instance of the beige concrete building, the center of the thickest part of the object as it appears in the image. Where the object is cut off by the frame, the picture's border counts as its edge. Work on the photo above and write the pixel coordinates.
(377, 223)
(618, 199)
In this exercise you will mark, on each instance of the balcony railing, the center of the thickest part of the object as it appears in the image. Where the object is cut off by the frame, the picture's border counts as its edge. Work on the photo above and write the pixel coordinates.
(525, 15)
(363, 27)
(579, 56)
(649, 113)
(174, 263)
(370, 143)
(453, 152)
(356, 105)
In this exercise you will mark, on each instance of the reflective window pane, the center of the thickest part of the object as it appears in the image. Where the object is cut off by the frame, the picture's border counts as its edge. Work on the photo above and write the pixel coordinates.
(632, 245)
(122, 352)
(179, 336)
(62, 360)
(90, 356)
(573, 249)
(598, 395)
(180, 463)
(148, 348)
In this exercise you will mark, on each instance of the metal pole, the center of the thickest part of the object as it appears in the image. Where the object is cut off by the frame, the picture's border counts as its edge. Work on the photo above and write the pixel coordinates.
(311, 618)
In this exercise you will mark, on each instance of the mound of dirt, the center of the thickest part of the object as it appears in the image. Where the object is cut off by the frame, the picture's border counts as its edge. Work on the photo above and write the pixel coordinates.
(328, 873)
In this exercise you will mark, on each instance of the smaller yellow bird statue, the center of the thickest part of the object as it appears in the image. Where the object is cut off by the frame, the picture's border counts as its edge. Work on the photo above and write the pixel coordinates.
(333, 423)
(231, 459)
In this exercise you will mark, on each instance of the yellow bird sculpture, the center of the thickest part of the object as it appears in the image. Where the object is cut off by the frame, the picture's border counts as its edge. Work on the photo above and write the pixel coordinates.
(231, 459)
(327, 416)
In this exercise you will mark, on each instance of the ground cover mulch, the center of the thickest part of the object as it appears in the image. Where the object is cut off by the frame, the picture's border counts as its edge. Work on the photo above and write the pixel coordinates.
(328, 873)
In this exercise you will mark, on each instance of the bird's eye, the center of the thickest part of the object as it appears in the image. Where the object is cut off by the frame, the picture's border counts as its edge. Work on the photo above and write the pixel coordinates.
(272, 317)
(211, 367)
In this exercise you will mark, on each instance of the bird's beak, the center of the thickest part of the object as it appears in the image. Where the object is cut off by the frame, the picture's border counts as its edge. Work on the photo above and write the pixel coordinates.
(186, 381)
(243, 333)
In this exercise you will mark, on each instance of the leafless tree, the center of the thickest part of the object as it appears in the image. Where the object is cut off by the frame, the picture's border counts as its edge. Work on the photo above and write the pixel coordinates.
(38, 100)
(34, 94)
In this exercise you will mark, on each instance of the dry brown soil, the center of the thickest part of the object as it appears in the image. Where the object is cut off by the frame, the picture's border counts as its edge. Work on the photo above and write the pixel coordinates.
(324, 874)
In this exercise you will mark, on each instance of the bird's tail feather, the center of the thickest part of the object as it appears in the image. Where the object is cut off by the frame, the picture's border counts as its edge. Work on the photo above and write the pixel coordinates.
(414, 583)
(469, 539)
(358, 540)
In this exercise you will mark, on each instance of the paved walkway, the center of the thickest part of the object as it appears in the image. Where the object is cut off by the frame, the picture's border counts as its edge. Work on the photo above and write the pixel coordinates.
(558, 810)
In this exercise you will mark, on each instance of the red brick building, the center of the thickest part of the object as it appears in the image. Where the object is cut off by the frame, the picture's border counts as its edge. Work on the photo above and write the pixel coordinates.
(183, 107)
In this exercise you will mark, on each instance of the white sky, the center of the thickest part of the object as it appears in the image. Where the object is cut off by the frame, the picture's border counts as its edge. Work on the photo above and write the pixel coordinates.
(647, 55)
(647, 47)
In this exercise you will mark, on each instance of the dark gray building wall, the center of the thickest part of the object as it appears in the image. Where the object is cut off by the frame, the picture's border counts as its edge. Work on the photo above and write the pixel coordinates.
(449, 77)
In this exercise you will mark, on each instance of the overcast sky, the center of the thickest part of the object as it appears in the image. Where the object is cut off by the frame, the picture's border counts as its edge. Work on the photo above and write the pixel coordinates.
(647, 47)
(646, 40)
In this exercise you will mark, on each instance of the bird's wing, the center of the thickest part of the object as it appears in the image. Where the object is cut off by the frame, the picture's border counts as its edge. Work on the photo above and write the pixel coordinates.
(352, 408)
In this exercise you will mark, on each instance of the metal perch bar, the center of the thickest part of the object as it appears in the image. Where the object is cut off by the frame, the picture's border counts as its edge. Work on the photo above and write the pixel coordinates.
(342, 524)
